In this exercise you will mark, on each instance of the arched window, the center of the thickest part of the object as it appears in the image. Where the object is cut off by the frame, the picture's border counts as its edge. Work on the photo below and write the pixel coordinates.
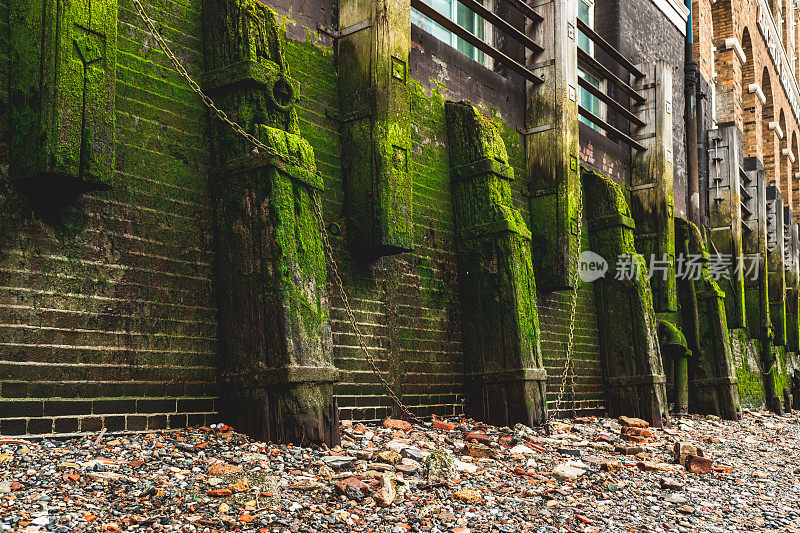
(795, 167)
(768, 126)
(751, 99)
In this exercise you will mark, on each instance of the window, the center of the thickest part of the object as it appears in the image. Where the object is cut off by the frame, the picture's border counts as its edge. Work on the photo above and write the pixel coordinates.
(588, 101)
(462, 16)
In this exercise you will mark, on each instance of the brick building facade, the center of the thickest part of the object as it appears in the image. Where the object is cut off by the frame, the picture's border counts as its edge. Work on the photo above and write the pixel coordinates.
(748, 51)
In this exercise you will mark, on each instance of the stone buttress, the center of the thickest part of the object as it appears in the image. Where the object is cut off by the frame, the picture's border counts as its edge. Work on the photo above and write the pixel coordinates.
(727, 210)
(792, 304)
(653, 211)
(756, 283)
(651, 191)
(274, 328)
(629, 349)
(375, 106)
(505, 378)
(791, 264)
(713, 387)
(63, 79)
(775, 266)
(551, 147)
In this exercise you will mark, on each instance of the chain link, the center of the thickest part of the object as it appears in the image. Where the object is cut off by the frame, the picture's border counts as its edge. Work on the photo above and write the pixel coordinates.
(569, 366)
(337, 281)
(328, 250)
(221, 115)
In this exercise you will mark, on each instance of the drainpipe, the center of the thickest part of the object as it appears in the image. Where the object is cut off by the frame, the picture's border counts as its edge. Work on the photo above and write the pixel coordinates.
(690, 118)
(674, 348)
(769, 362)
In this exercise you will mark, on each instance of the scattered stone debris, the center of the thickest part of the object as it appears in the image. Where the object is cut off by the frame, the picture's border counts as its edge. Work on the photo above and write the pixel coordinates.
(447, 476)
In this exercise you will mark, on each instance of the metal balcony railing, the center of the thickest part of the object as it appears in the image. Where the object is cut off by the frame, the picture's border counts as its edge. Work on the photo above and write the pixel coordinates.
(498, 23)
(591, 64)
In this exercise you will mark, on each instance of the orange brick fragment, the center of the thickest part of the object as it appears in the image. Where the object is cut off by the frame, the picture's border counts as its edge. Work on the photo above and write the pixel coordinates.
(393, 423)
(444, 426)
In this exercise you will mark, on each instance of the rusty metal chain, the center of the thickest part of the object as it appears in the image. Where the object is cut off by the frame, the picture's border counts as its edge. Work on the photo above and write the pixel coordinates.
(569, 365)
(221, 115)
(337, 281)
(259, 146)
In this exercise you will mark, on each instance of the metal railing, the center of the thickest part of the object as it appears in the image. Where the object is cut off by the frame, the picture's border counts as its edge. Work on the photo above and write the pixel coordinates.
(498, 23)
(592, 65)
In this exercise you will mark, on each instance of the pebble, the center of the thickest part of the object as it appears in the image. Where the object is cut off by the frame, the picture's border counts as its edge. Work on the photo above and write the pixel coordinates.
(568, 471)
(676, 498)
(668, 483)
(398, 477)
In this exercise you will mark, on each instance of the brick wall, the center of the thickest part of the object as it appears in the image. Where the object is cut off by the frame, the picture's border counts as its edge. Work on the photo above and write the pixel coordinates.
(106, 310)
(703, 52)
(406, 305)
(589, 392)
(440, 67)
(737, 105)
(107, 313)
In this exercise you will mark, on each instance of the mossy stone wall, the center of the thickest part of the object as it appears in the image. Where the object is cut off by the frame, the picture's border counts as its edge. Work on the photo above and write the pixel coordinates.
(107, 313)
(106, 308)
(408, 305)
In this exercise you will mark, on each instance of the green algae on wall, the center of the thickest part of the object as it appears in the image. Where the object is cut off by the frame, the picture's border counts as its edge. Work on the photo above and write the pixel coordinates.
(748, 373)
(634, 376)
(787, 362)
(116, 283)
(63, 77)
(505, 379)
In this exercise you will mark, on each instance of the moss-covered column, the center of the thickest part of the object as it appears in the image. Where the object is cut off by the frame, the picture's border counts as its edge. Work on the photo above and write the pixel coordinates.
(713, 387)
(275, 340)
(756, 282)
(375, 106)
(725, 214)
(754, 248)
(791, 263)
(63, 79)
(775, 251)
(652, 203)
(634, 375)
(551, 147)
(505, 378)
